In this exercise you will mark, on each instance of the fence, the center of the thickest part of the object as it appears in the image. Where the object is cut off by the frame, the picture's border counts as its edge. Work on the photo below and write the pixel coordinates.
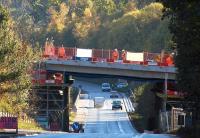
(8, 121)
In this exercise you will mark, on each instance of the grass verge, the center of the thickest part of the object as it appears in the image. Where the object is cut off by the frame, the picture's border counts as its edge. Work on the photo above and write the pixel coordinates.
(29, 125)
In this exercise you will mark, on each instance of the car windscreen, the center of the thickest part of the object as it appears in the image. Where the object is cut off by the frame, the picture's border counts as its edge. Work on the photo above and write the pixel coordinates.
(117, 102)
(105, 85)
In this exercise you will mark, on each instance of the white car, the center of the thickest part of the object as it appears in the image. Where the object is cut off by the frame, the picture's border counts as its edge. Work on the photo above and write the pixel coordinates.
(122, 85)
(106, 87)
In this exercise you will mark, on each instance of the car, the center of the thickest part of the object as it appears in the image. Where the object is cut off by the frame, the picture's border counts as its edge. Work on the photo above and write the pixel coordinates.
(117, 105)
(114, 96)
(106, 87)
(122, 85)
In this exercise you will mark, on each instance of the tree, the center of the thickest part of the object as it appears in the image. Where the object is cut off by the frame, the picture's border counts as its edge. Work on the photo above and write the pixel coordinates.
(15, 62)
(107, 7)
(58, 19)
(184, 25)
(87, 23)
(136, 30)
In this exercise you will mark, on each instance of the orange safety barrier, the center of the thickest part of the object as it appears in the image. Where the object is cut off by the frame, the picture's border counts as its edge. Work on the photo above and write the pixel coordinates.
(110, 60)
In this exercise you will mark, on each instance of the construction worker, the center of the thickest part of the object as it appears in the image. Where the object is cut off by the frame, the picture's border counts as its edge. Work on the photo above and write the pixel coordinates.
(61, 52)
(157, 58)
(170, 60)
(123, 55)
(115, 55)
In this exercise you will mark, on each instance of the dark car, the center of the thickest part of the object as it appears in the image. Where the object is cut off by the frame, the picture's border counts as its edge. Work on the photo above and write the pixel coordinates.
(116, 105)
(114, 96)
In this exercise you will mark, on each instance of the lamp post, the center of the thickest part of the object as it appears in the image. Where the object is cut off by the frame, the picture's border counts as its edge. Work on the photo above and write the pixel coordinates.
(165, 101)
(66, 102)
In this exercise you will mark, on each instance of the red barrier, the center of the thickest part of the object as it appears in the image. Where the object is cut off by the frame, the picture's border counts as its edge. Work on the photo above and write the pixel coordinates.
(101, 55)
(126, 61)
(137, 62)
(8, 123)
(110, 60)
(34, 81)
(70, 53)
(94, 60)
(42, 81)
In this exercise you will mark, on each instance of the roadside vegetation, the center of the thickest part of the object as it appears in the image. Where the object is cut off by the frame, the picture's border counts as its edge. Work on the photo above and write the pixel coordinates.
(145, 116)
(16, 58)
(29, 124)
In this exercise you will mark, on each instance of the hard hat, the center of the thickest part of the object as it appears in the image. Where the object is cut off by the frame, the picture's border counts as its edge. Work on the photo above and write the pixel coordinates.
(123, 50)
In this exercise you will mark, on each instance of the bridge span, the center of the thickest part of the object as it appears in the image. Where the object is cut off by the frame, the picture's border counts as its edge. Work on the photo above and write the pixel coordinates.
(114, 69)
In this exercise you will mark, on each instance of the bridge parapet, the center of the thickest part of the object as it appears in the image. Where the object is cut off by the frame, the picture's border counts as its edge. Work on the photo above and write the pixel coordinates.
(102, 55)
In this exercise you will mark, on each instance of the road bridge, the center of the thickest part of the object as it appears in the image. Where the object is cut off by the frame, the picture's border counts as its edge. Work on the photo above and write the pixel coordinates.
(114, 69)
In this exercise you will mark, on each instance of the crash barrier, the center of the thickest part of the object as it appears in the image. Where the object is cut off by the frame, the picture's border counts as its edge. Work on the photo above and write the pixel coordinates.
(8, 121)
(109, 56)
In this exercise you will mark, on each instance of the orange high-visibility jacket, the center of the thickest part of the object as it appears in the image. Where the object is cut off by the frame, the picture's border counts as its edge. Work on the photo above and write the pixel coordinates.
(115, 55)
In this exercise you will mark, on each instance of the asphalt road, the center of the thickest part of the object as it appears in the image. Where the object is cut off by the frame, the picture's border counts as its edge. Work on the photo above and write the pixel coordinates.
(102, 122)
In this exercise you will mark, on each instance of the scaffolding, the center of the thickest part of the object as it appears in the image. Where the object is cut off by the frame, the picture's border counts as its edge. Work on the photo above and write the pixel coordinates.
(48, 87)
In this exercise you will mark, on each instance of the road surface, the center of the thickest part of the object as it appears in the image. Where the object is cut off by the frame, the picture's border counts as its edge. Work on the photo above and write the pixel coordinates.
(101, 122)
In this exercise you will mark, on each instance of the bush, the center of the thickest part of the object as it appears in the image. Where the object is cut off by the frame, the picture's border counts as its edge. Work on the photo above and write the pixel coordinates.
(190, 132)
